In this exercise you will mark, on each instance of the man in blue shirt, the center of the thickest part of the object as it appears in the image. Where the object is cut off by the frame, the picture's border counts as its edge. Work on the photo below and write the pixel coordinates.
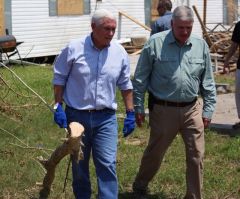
(175, 67)
(164, 21)
(86, 75)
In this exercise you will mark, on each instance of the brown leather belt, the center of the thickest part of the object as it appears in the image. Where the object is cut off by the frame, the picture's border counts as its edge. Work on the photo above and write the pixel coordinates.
(175, 104)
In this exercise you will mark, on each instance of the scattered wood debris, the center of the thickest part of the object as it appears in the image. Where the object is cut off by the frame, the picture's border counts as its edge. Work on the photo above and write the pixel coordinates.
(135, 44)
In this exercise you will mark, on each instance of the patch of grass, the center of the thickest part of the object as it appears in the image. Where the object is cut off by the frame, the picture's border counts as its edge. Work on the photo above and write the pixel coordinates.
(226, 78)
(35, 127)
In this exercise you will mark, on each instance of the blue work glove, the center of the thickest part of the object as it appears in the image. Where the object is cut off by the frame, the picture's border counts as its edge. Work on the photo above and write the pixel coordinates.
(60, 116)
(129, 123)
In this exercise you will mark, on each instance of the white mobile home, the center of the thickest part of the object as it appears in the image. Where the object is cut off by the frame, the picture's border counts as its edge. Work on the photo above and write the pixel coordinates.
(45, 26)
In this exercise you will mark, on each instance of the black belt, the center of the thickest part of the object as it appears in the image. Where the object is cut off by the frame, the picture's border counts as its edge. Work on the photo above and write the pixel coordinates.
(175, 104)
(96, 110)
(92, 110)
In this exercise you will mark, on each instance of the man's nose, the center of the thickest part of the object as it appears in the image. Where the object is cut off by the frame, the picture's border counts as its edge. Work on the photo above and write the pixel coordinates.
(185, 31)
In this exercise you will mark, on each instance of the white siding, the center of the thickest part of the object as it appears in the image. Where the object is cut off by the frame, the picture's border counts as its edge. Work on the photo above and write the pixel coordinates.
(45, 35)
(214, 13)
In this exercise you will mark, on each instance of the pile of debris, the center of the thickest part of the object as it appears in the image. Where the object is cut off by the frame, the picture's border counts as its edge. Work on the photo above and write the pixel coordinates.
(218, 38)
(219, 42)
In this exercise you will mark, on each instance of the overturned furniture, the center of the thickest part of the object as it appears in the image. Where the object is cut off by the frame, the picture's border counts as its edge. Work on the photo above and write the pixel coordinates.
(72, 145)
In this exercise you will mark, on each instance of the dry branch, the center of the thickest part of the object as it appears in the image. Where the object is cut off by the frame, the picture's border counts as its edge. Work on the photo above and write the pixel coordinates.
(70, 146)
(10, 88)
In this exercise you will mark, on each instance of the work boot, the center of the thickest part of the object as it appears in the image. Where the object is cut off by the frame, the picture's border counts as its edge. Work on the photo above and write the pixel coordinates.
(139, 192)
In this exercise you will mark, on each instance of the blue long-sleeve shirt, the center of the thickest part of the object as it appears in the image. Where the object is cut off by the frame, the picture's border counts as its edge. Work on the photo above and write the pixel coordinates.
(162, 23)
(175, 73)
(91, 76)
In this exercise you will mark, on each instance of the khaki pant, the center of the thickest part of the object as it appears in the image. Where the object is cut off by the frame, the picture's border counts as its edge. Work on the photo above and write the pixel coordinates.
(165, 123)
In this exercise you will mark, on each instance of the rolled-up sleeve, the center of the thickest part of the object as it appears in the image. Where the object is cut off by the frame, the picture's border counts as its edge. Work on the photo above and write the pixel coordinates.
(124, 80)
(61, 67)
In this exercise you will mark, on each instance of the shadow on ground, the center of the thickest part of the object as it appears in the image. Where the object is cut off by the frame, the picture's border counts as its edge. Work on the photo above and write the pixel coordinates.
(130, 195)
(224, 129)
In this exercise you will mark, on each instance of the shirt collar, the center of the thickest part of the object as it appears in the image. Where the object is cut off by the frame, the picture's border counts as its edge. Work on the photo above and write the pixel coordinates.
(168, 12)
(171, 39)
(93, 45)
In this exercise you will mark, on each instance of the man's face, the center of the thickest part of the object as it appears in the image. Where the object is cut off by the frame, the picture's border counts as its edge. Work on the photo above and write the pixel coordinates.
(182, 30)
(103, 32)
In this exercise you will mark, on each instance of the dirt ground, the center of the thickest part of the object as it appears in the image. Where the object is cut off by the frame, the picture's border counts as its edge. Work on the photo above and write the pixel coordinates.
(225, 112)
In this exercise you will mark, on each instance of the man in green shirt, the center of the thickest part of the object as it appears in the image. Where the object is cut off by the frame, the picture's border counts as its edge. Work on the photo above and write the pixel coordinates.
(175, 67)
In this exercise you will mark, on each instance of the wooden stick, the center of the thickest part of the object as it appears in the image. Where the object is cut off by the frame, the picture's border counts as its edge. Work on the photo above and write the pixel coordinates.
(204, 12)
(136, 52)
(65, 180)
(50, 108)
(203, 28)
(135, 20)
(34, 148)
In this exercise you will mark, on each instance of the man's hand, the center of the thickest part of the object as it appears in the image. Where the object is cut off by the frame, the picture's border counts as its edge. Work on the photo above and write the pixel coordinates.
(140, 118)
(206, 122)
(226, 67)
(129, 123)
(60, 116)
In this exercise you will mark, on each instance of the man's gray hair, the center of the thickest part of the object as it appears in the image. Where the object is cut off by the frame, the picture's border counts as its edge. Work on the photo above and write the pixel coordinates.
(100, 14)
(184, 13)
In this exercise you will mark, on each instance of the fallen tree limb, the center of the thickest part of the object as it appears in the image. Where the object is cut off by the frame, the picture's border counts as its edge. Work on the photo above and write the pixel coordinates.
(70, 146)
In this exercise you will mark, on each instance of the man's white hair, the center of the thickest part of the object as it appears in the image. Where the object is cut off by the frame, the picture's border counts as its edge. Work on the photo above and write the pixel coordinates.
(100, 14)
(184, 13)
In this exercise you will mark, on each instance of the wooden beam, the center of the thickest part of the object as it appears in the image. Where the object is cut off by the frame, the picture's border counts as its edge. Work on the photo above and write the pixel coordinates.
(231, 11)
(2, 18)
(204, 11)
(205, 33)
(134, 20)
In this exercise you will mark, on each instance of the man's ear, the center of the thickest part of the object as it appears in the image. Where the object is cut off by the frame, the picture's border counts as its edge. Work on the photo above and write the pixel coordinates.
(93, 25)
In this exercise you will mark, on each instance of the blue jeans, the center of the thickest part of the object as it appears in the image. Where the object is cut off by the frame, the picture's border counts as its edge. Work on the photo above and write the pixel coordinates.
(101, 139)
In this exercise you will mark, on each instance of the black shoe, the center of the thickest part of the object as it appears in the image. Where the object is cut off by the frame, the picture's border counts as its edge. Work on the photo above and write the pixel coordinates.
(139, 193)
(139, 196)
(236, 126)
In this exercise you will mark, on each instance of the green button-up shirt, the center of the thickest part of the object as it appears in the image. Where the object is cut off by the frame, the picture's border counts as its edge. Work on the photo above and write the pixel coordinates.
(175, 73)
